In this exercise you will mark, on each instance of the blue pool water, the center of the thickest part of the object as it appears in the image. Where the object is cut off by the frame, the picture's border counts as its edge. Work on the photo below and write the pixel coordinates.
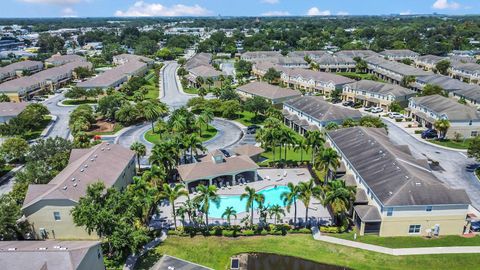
(272, 197)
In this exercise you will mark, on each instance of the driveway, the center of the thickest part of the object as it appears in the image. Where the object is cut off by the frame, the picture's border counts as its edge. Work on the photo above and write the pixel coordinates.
(228, 134)
(60, 127)
(452, 164)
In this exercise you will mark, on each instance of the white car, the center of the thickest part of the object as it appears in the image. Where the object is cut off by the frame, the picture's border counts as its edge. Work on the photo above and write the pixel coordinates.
(376, 110)
(395, 115)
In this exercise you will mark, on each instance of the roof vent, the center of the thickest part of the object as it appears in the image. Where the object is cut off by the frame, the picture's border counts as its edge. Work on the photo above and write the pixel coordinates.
(86, 165)
(73, 179)
(108, 148)
(108, 143)
(95, 156)
(92, 159)
(418, 184)
(406, 177)
(42, 248)
(75, 184)
(103, 149)
(64, 187)
(82, 170)
(57, 247)
(63, 248)
(390, 193)
(12, 249)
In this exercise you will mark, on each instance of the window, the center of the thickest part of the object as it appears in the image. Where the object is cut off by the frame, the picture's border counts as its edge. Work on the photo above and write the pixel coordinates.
(389, 212)
(414, 229)
(474, 133)
(429, 209)
(56, 215)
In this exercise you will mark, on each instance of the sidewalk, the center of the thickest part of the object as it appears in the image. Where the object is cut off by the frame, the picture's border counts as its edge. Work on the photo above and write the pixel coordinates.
(132, 259)
(394, 251)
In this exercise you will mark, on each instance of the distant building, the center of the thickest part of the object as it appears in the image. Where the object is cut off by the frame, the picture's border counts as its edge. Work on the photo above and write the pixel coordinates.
(399, 55)
(376, 94)
(464, 120)
(47, 206)
(272, 93)
(397, 194)
(311, 113)
(51, 255)
(466, 72)
(9, 110)
(259, 55)
(428, 62)
(392, 71)
(17, 69)
(335, 63)
(200, 66)
(59, 59)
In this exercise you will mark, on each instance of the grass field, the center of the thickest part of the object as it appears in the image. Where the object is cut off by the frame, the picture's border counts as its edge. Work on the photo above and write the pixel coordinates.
(462, 144)
(215, 252)
(248, 118)
(79, 101)
(408, 242)
(153, 90)
(190, 90)
(207, 134)
(291, 155)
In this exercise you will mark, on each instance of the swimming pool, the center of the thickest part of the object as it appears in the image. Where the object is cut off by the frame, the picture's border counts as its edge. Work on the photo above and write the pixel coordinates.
(272, 197)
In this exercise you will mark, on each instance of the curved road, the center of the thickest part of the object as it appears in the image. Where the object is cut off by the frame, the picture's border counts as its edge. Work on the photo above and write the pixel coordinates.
(451, 163)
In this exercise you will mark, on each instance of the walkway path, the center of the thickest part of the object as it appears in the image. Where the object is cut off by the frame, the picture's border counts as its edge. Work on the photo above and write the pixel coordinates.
(394, 251)
(133, 258)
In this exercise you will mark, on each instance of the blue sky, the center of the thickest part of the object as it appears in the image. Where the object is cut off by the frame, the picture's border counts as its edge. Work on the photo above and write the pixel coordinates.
(102, 8)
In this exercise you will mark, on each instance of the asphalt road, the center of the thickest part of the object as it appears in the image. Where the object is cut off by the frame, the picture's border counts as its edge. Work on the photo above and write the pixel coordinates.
(60, 128)
(452, 164)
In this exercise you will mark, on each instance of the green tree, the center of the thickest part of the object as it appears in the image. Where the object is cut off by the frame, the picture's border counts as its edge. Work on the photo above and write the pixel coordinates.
(407, 81)
(442, 125)
(14, 149)
(243, 68)
(252, 196)
(442, 67)
(206, 196)
(474, 149)
(433, 89)
(4, 98)
(302, 145)
(272, 75)
(328, 162)
(257, 105)
(153, 111)
(276, 211)
(228, 213)
(140, 151)
(339, 197)
(290, 197)
(315, 140)
(308, 190)
(172, 194)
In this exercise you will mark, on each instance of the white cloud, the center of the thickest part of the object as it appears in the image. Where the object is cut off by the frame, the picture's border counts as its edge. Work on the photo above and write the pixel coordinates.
(53, 2)
(315, 11)
(276, 13)
(343, 13)
(445, 4)
(270, 1)
(142, 9)
(404, 13)
(69, 12)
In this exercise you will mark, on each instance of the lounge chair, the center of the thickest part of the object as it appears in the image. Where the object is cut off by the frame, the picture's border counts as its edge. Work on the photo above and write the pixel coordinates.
(284, 173)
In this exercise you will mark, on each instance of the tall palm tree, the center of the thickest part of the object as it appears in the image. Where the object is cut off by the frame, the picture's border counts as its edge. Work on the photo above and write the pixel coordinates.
(339, 197)
(199, 81)
(307, 190)
(210, 82)
(290, 197)
(276, 211)
(204, 119)
(302, 145)
(140, 151)
(315, 140)
(328, 162)
(193, 143)
(172, 194)
(202, 92)
(229, 212)
(206, 195)
(148, 197)
(252, 196)
(442, 126)
(153, 111)
(221, 79)
(156, 175)
(165, 154)
(190, 207)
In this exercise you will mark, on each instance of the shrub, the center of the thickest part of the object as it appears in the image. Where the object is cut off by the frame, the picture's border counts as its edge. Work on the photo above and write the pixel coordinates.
(173, 232)
(398, 120)
(264, 232)
(409, 125)
(418, 131)
(408, 119)
(332, 229)
(301, 230)
(248, 233)
(277, 233)
(217, 230)
(228, 233)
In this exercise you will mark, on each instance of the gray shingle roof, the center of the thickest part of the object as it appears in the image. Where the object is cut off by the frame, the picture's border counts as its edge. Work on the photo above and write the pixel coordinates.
(395, 67)
(109, 161)
(51, 254)
(368, 213)
(268, 91)
(321, 110)
(338, 59)
(453, 110)
(431, 59)
(11, 108)
(58, 59)
(447, 83)
(10, 70)
(381, 88)
(399, 53)
(261, 54)
(357, 53)
(394, 176)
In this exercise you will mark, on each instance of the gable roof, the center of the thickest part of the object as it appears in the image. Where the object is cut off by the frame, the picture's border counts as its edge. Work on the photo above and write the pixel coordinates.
(448, 84)
(51, 254)
(394, 176)
(104, 162)
(399, 68)
(453, 110)
(268, 91)
(248, 150)
(12, 108)
(321, 110)
(381, 88)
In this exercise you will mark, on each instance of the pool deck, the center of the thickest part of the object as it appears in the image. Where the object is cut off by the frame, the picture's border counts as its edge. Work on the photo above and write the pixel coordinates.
(267, 178)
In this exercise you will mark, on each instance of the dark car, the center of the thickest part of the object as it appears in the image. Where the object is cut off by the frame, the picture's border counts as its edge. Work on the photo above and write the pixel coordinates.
(475, 226)
(252, 129)
(348, 103)
(225, 152)
(429, 134)
(472, 167)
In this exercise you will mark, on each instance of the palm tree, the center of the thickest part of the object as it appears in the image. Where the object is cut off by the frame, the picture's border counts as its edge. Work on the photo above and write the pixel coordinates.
(172, 194)
(307, 190)
(328, 162)
(156, 175)
(202, 92)
(315, 140)
(206, 196)
(229, 212)
(221, 79)
(302, 145)
(442, 126)
(276, 211)
(193, 143)
(199, 81)
(209, 82)
(252, 196)
(204, 119)
(140, 150)
(165, 154)
(339, 197)
(189, 207)
(153, 111)
(290, 197)
(407, 80)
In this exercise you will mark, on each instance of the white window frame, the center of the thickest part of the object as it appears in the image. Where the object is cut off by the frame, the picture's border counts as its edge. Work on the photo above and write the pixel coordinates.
(414, 226)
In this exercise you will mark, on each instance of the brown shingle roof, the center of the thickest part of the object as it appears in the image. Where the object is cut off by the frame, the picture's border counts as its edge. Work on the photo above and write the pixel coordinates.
(109, 161)
(268, 91)
(12, 109)
(248, 150)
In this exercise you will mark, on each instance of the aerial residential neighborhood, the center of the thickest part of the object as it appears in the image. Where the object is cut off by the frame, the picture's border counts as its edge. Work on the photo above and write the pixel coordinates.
(240, 135)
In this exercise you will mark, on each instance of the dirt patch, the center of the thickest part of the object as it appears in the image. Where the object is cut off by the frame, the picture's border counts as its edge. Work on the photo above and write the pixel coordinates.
(102, 126)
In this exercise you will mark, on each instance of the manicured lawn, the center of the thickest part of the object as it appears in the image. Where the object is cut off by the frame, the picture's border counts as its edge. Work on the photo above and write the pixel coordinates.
(291, 155)
(79, 101)
(207, 134)
(248, 118)
(408, 242)
(462, 144)
(190, 90)
(5, 169)
(360, 76)
(153, 90)
(215, 252)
